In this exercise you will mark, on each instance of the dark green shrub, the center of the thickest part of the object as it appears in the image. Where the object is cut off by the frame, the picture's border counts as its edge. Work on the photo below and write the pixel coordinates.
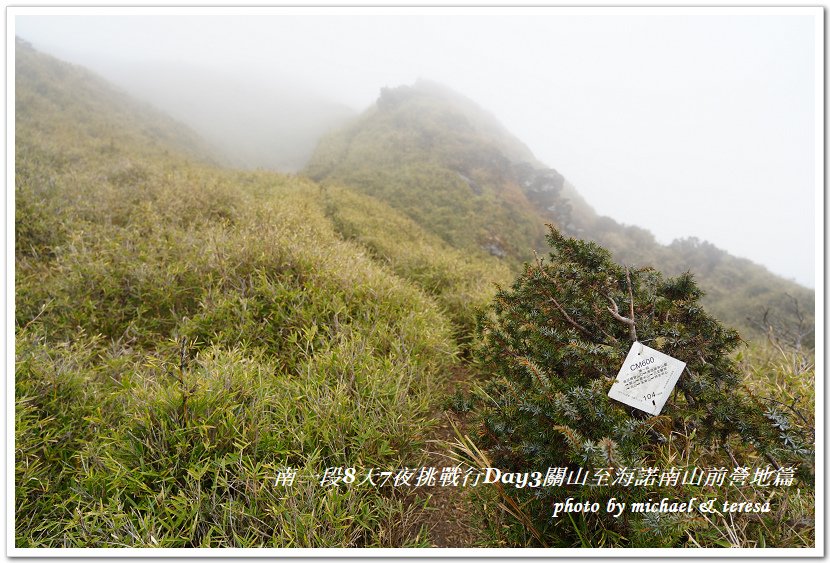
(554, 350)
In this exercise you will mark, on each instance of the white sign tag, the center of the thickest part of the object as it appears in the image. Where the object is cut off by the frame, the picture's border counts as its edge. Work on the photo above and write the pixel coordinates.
(646, 379)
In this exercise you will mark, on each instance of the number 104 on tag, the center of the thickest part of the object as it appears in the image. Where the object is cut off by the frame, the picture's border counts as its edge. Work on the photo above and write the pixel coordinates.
(646, 379)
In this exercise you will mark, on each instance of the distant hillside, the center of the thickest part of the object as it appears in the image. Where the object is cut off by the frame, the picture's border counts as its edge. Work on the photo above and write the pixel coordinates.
(449, 166)
(267, 122)
(452, 168)
(53, 99)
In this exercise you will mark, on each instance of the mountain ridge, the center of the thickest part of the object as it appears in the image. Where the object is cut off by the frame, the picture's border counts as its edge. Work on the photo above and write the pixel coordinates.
(497, 187)
(454, 169)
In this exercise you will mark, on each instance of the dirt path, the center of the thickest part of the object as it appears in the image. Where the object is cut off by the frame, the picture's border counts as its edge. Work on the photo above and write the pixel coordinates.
(449, 512)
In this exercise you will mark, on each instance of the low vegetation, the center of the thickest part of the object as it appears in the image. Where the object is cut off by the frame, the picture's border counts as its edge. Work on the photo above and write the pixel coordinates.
(184, 335)
(459, 283)
(175, 354)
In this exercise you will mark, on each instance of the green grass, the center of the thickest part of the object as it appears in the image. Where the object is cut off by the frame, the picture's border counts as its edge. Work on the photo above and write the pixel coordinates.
(299, 351)
(183, 334)
(459, 282)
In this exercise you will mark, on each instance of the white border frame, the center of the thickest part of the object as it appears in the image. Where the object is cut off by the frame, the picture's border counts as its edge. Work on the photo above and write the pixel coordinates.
(9, 344)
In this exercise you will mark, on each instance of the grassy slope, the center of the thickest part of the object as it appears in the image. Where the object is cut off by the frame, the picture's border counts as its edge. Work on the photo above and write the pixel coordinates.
(185, 332)
(431, 158)
(414, 149)
(459, 283)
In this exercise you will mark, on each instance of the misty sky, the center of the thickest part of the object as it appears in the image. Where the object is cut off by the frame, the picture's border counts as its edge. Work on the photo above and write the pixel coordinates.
(687, 125)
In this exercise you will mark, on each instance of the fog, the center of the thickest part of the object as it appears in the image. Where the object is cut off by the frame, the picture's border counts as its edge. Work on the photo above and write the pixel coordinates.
(683, 123)
(254, 120)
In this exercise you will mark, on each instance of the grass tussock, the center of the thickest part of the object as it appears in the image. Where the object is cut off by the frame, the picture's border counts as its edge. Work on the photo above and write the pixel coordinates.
(460, 283)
